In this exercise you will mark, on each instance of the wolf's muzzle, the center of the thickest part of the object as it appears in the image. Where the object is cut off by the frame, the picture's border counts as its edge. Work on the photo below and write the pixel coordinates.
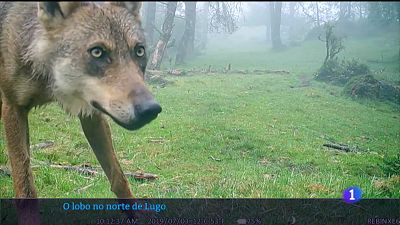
(147, 111)
(144, 114)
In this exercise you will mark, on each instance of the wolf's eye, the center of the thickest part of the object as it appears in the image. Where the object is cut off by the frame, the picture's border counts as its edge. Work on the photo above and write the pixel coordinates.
(97, 52)
(140, 51)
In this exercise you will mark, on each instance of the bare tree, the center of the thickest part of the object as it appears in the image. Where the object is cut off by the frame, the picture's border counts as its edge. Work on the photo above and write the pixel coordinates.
(150, 17)
(205, 22)
(186, 45)
(292, 10)
(224, 16)
(276, 11)
(360, 9)
(312, 11)
(165, 35)
(318, 18)
(268, 21)
(333, 43)
(344, 10)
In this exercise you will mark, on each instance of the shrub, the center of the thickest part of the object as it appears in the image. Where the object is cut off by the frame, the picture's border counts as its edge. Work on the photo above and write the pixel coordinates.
(339, 73)
(331, 71)
(366, 86)
(355, 68)
(362, 87)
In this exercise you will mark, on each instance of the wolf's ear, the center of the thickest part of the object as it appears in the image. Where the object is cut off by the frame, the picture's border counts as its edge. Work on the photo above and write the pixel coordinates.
(51, 14)
(133, 7)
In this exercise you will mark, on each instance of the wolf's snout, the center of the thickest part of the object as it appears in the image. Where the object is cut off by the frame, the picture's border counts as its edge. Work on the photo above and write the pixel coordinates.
(147, 111)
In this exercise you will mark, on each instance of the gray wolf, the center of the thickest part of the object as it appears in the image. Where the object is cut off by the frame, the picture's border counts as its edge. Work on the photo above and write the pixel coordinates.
(88, 57)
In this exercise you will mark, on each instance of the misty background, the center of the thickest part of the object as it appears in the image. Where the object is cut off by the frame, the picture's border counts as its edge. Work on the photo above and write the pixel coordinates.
(184, 30)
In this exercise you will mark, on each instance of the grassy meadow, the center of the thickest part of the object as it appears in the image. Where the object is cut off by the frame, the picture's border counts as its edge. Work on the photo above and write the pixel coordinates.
(239, 135)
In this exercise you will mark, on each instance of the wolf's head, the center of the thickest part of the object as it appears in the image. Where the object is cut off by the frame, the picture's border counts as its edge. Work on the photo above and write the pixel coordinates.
(98, 59)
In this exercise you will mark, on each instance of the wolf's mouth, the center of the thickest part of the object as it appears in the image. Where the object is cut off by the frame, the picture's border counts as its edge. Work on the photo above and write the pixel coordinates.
(132, 125)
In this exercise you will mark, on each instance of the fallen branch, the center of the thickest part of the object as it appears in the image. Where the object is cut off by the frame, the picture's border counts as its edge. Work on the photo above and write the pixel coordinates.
(83, 170)
(154, 72)
(46, 144)
(141, 175)
(5, 171)
(210, 70)
(272, 71)
(337, 146)
(342, 147)
(156, 140)
(79, 190)
(87, 170)
(215, 159)
(155, 77)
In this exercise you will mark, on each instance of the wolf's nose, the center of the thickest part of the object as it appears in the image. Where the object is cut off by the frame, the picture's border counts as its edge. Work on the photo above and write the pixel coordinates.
(147, 111)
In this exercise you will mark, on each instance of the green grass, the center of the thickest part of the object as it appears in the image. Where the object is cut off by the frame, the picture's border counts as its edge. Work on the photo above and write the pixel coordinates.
(238, 135)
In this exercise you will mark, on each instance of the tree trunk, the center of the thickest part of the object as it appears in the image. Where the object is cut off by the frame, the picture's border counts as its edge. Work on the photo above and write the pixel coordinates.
(168, 24)
(327, 49)
(318, 20)
(349, 14)
(186, 45)
(268, 21)
(150, 18)
(275, 11)
(205, 22)
(344, 12)
(328, 34)
(292, 6)
(341, 10)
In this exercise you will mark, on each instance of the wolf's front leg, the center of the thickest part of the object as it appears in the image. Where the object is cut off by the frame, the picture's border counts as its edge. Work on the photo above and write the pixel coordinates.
(15, 120)
(97, 132)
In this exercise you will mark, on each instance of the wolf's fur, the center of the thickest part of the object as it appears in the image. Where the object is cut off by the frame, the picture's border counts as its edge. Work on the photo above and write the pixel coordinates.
(45, 56)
